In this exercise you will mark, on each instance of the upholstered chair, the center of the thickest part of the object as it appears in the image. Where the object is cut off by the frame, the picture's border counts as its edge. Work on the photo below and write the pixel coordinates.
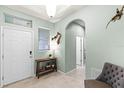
(112, 76)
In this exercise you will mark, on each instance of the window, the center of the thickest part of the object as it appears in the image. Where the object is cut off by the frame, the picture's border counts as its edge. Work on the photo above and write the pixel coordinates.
(17, 21)
(43, 39)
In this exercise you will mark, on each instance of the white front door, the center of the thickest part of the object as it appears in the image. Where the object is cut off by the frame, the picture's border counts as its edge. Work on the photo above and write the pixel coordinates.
(17, 45)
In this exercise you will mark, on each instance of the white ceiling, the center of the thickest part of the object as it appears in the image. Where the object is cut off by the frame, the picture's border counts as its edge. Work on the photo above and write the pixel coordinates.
(40, 11)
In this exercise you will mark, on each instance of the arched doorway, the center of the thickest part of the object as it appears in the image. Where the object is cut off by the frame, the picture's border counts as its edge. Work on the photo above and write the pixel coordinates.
(75, 45)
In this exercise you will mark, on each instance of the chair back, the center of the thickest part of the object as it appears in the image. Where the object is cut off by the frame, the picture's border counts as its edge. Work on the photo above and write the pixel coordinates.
(112, 75)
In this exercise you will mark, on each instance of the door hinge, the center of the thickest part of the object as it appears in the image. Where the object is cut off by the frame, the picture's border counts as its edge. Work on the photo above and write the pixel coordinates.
(2, 56)
(2, 78)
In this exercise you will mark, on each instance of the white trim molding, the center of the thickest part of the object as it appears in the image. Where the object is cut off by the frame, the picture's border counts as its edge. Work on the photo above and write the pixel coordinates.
(95, 73)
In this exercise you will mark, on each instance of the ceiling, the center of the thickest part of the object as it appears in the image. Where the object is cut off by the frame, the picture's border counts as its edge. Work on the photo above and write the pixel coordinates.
(39, 11)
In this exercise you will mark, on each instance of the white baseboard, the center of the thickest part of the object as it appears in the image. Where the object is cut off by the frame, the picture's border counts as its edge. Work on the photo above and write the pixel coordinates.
(71, 71)
(95, 73)
(66, 72)
(61, 71)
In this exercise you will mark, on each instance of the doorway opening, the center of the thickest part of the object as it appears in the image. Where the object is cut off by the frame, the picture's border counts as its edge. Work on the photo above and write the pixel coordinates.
(79, 51)
(75, 45)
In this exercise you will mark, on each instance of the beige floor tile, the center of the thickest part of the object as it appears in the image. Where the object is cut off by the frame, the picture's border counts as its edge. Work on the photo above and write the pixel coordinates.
(73, 79)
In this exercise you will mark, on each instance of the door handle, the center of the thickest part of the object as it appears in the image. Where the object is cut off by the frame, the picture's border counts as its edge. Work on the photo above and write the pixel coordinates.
(30, 52)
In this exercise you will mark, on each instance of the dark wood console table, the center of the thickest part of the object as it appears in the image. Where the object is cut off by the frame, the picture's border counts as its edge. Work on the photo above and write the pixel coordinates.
(45, 65)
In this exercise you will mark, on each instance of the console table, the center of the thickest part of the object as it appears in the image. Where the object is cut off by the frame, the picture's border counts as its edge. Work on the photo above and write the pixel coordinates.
(45, 65)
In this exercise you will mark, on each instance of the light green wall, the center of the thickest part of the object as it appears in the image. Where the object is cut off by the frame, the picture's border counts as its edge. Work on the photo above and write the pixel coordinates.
(102, 45)
(36, 23)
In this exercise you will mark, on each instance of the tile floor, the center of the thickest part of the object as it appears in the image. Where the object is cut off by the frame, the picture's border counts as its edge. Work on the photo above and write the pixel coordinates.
(73, 79)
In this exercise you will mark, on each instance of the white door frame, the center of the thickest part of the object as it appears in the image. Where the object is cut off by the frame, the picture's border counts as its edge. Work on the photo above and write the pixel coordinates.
(2, 48)
(81, 51)
(1, 63)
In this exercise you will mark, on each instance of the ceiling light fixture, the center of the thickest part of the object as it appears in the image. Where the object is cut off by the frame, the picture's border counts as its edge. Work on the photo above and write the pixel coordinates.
(51, 10)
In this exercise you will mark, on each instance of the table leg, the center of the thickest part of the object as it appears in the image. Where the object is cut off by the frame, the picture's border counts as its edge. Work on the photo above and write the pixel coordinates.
(37, 71)
(55, 66)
